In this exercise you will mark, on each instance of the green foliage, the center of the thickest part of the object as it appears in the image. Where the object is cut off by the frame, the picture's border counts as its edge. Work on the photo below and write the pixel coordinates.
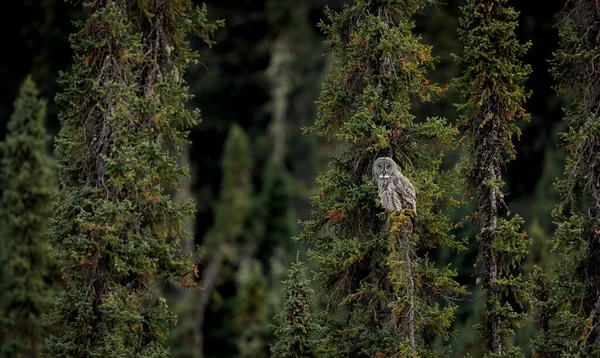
(249, 248)
(261, 245)
(252, 307)
(261, 294)
(115, 229)
(228, 238)
(372, 286)
(492, 86)
(27, 183)
(271, 49)
(493, 74)
(279, 218)
(573, 66)
(568, 310)
(297, 332)
(235, 199)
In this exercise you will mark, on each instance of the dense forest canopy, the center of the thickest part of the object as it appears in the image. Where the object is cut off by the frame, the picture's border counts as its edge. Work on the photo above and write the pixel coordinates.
(194, 178)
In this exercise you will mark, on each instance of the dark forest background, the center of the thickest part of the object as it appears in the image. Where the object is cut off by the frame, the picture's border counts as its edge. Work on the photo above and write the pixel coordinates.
(239, 84)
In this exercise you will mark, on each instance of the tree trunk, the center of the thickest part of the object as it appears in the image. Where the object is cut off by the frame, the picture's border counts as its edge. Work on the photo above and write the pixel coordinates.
(279, 75)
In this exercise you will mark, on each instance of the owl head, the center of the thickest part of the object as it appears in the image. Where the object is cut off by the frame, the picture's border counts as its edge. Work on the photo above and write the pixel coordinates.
(384, 167)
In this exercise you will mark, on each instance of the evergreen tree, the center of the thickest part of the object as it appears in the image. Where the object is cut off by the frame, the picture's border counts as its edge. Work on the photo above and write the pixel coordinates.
(252, 308)
(235, 199)
(569, 304)
(291, 36)
(115, 229)
(261, 272)
(246, 313)
(227, 237)
(492, 85)
(383, 298)
(278, 210)
(296, 334)
(26, 181)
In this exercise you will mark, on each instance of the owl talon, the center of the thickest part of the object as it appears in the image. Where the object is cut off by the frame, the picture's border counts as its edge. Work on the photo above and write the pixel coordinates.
(409, 212)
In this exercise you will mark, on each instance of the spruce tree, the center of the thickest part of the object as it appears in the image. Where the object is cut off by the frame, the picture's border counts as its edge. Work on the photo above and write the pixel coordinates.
(492, 86)
(278, 212)
(115, 229)
(226, 238)
(384, 294)
(26, 181)
(297, 331)
(289, 25)
(252, 296)
(235, 198)
(265, 265)
(569, 303)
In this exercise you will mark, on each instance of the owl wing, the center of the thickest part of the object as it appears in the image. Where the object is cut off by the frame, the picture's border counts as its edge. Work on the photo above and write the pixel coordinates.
(407, 192)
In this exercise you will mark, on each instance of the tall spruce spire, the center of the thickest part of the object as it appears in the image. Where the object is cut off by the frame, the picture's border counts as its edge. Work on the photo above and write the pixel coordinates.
(27, 183)
(115, 229)
(492, 85)
(382, 294)
(569, 303)
(297, 332)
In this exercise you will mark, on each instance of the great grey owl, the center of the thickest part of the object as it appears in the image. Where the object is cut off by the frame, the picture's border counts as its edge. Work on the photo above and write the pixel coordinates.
(395, 190)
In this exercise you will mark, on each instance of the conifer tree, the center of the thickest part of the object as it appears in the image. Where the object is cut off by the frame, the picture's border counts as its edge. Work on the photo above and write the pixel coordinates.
(383, 298)
(26, 181)
(235, 197)
(288, 24)
(232, 212)
(268, 256)
(252, 308)
(569, 304)
(279, 223)
(296, 334)
(492, 86)
(115, 229)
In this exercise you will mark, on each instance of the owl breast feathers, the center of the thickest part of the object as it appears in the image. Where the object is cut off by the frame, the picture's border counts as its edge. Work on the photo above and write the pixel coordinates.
(395, 190)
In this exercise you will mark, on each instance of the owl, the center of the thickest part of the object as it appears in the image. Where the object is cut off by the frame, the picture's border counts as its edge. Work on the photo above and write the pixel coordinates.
(395, 190)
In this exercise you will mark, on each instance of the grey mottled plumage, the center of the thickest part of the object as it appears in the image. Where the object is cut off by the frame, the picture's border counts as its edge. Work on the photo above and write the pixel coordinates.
(395, 190)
